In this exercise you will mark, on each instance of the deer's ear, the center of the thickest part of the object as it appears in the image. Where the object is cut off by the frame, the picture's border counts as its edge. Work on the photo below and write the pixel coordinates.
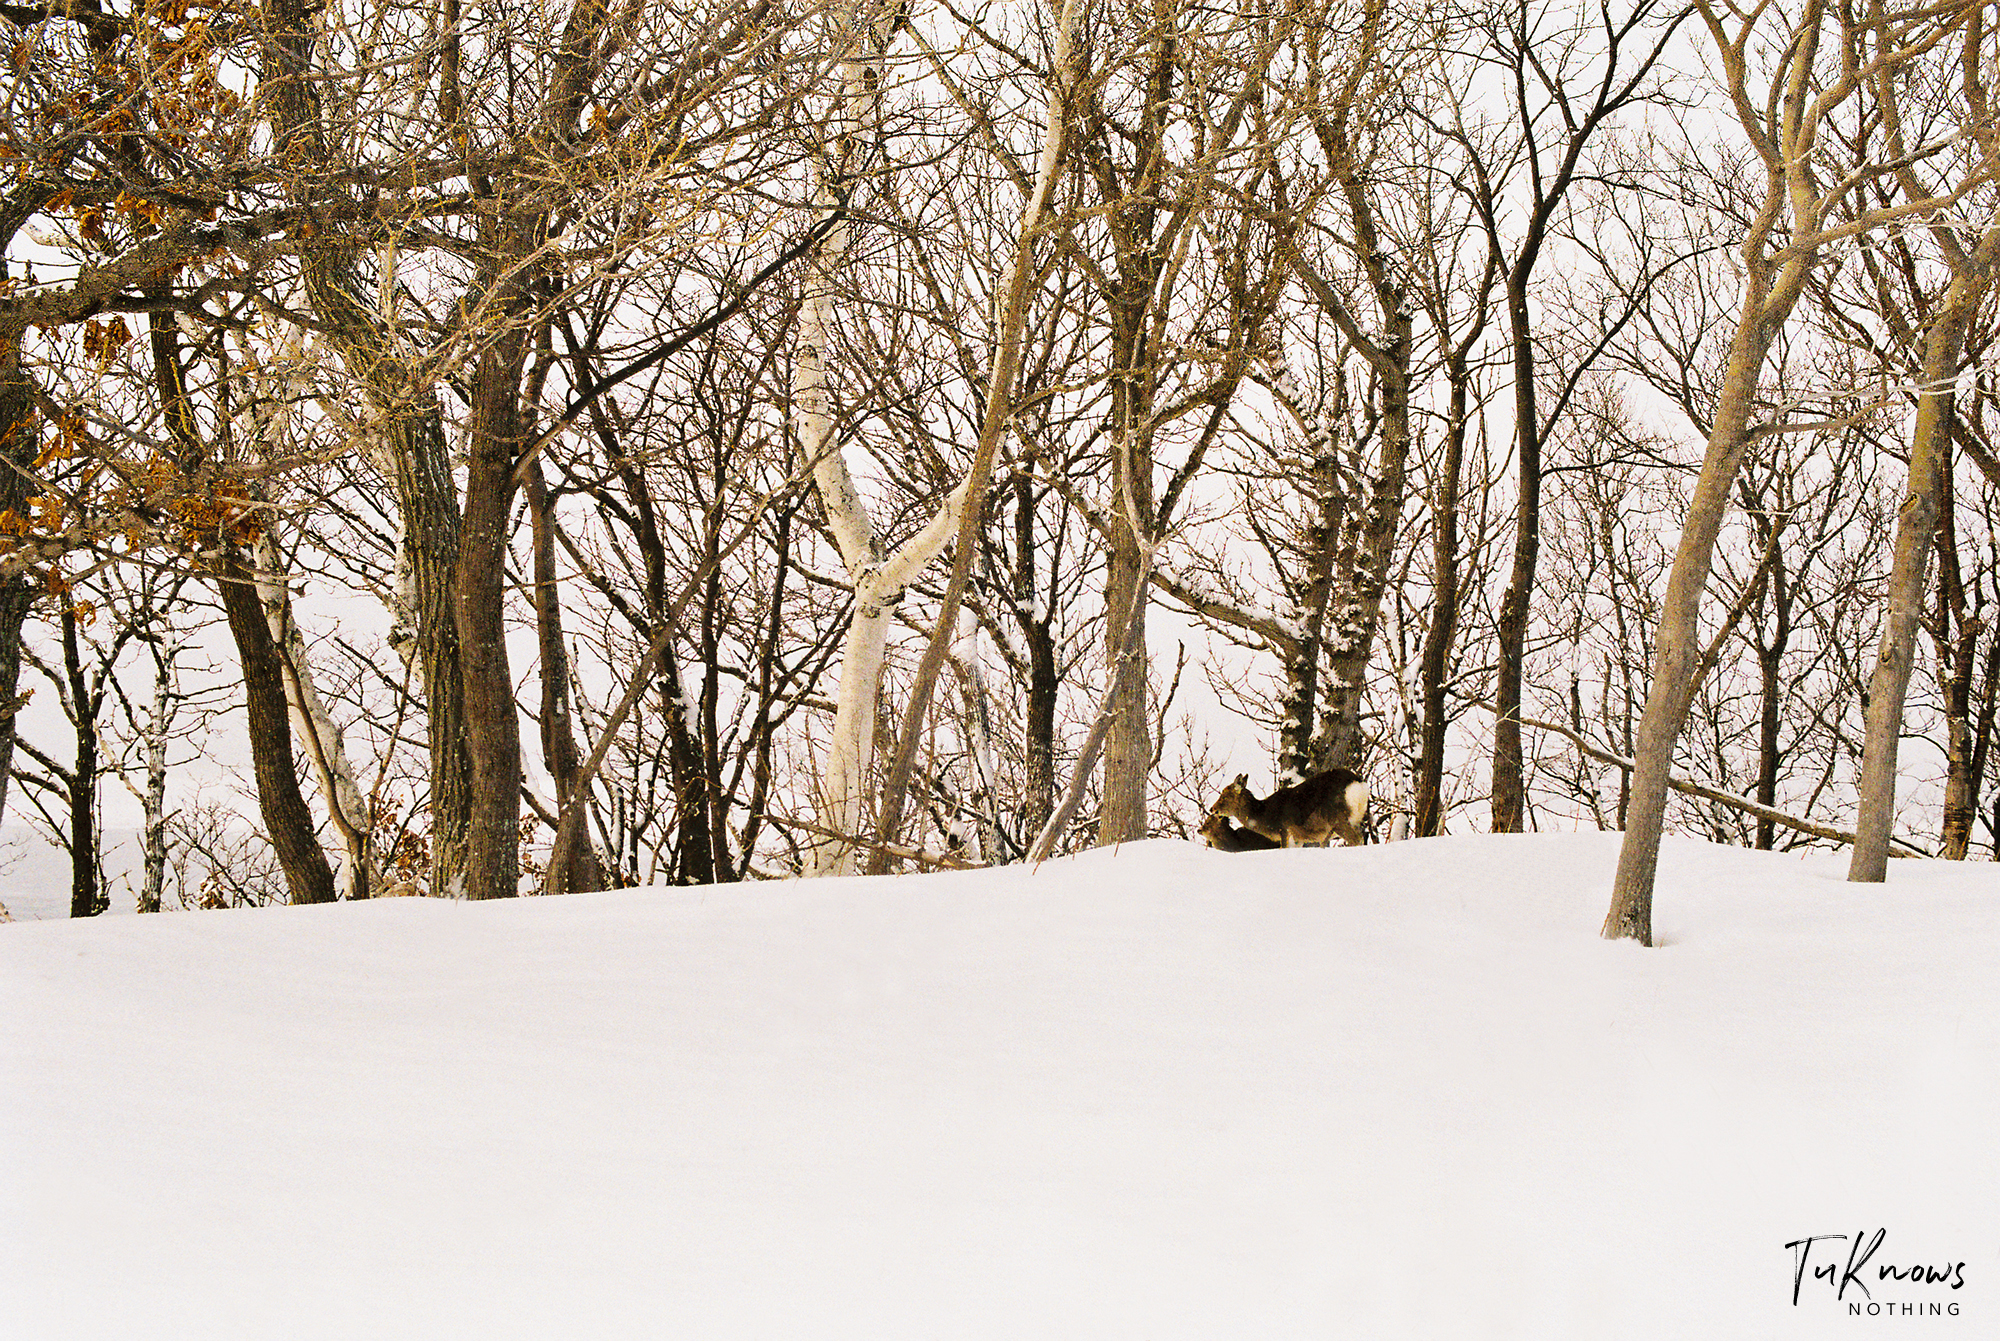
(1242, 780)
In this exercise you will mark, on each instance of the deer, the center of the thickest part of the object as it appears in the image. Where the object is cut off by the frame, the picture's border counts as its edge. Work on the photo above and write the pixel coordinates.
(1325, 804)
(1226, 837)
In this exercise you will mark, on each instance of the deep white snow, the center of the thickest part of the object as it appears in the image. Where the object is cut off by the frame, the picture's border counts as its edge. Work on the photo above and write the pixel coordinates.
(1159, 1092)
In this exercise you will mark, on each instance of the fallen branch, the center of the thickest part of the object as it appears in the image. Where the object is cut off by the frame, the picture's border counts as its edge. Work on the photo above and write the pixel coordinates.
(917, 855)
(1682, 785)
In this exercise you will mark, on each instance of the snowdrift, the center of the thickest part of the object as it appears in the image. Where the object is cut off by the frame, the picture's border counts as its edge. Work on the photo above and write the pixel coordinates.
(1157, 1092)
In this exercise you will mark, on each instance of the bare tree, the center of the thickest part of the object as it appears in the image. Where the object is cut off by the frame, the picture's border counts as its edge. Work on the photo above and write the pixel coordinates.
(1815, 65)
(1933, 161)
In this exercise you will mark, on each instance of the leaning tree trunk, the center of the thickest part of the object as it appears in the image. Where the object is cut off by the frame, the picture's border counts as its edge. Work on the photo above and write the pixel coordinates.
(1010, 326)
(286, 818)
(1676, 642)
(320, 737)
(288, 821)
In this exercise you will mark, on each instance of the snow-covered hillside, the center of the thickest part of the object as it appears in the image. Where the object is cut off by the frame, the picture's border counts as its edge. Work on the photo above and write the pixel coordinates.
(1402, 1091)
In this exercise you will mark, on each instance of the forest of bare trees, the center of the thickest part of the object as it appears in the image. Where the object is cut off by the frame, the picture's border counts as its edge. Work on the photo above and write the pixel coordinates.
(604, 443)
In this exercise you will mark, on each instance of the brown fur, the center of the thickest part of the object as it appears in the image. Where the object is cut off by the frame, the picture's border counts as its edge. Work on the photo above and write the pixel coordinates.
(1226, 837)
(1307, 812)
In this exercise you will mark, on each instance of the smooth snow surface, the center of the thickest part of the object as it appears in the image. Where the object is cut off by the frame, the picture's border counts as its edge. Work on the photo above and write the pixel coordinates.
(1158, 1092)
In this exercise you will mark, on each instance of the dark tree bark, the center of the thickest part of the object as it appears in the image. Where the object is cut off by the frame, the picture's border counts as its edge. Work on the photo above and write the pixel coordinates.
(1434, 667)
(560, 753)
(492, 722)
(287, 820)
(1955, 634)
(86, 883)
(1017, 565)
(1509, 800)
(17, 457)
(1982, 736)
(428, 503)
(19, 446)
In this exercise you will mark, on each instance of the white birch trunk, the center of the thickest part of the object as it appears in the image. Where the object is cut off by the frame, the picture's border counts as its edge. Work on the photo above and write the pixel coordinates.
(153, 842)
(844, 787)
(878, 582)
(844, 780)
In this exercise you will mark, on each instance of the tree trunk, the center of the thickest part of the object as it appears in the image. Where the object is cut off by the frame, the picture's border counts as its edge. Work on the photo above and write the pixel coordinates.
(1331, 489)
(974, 694)
(1929, 480)
(1435, 665)
(492, 722)
(1128, 742)
(1358, 618)
(1768, 757)
(560, 754)
(1957, 661)
(1770, 662)
(1676, 642)
(20, 445)
(1010, 325)
(694, 845)
(153, 801)
(1982, 736)
(428, 503)
(1033, 616)
(843, 801)
(19, 440)
(714, 799)
(287, 819)
(86, 891)
(1127, 627)
(409, 423)
(1509, 769)
(86, 885)
(320, 737)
